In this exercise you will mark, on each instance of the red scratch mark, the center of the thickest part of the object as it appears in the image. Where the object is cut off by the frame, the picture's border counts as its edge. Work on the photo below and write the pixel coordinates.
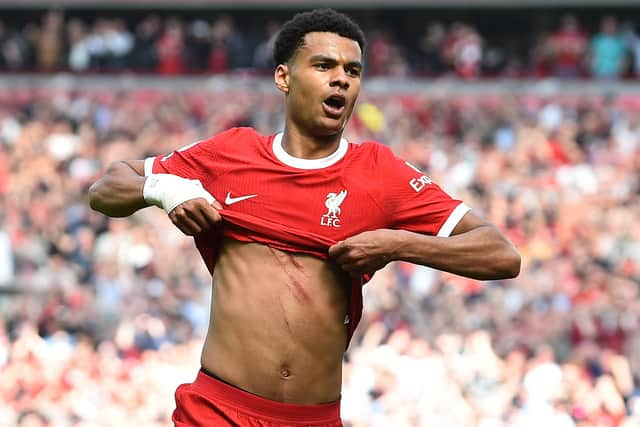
(298, 290)
(295, 262)
(293, 284)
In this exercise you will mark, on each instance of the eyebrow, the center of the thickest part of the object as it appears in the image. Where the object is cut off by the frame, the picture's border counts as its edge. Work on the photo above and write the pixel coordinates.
(324, 58)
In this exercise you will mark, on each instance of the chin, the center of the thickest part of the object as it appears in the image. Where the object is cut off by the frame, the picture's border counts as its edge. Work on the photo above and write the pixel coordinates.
(332, 128)
(329, 132)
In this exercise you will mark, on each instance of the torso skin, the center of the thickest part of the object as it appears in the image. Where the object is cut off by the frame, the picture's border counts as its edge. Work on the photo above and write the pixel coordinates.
(277, 324)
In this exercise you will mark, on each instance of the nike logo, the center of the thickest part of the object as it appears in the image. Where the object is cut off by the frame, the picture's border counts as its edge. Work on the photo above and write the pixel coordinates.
(231, 200)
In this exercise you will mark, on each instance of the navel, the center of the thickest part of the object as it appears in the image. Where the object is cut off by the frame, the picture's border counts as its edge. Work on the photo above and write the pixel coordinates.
(285, 374)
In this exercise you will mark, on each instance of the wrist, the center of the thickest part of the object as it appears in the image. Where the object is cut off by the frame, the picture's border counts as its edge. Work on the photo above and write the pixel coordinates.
(168, 191)
(406, 244)
(153, 190)
(401, 243)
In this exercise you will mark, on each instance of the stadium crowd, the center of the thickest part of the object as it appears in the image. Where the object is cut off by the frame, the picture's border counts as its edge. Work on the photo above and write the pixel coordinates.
(215, 43)
(102, 318)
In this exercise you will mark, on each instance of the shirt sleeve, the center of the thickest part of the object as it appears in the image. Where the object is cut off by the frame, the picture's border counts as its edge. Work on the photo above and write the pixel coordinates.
(415, 203)
(189, 161)
(199, 160)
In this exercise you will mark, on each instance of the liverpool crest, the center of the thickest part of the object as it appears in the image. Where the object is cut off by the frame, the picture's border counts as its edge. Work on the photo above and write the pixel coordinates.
(332, 203)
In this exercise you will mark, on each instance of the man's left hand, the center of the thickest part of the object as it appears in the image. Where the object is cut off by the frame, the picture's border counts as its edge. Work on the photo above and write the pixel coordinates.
(366, 252)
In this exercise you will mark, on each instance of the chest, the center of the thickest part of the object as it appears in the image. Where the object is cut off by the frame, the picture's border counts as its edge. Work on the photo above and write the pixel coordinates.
(322, 202)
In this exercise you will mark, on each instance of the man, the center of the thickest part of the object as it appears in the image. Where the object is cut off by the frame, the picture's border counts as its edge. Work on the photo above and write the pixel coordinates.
(307, 217)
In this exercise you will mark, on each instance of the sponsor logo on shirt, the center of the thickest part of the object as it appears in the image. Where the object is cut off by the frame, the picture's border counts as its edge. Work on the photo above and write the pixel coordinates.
(332, 203)
(418, 183)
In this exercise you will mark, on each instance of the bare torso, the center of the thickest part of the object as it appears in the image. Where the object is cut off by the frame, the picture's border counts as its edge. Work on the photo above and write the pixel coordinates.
(277, 324)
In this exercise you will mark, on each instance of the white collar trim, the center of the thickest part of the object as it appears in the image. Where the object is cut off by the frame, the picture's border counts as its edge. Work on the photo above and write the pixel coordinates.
(299, 163)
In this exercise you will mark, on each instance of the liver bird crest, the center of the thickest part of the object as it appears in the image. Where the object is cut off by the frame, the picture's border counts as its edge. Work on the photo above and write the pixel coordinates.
(333, 202)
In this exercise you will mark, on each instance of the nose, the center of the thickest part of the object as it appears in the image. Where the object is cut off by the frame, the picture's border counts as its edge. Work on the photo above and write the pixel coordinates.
(339, 78)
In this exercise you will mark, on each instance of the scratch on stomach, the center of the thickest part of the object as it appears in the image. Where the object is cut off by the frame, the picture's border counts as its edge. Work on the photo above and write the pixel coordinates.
(294, 284)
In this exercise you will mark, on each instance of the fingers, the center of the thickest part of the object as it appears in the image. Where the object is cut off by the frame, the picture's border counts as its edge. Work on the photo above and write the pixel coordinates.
(195, 216)
(338, 249)
(181, 219)
(199, 217)
(361, 267)
(354, 259)
(211, 214)
(345, 256)
(357, 265)
(216, 204)
(341, 254)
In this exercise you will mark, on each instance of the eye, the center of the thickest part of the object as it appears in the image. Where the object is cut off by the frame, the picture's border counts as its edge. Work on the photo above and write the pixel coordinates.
(354, 72)
(322, 66)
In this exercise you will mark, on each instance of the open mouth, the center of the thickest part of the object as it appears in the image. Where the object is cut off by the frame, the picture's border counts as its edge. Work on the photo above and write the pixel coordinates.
(334, 105)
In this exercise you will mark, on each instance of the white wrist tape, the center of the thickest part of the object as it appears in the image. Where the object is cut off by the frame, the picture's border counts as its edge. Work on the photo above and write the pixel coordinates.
(168, 191)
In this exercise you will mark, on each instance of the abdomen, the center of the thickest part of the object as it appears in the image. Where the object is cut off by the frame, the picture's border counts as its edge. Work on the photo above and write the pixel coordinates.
(277, 324)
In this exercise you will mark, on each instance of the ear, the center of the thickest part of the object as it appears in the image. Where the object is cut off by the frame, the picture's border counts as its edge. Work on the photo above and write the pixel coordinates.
(281, 78)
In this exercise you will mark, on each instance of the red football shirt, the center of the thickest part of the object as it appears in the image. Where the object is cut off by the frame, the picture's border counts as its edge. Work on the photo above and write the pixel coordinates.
(303, 205)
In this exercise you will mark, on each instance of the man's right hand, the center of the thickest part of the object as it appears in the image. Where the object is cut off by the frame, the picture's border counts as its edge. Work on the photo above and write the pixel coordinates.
(124, 189)
(196, 216)
(190, 207)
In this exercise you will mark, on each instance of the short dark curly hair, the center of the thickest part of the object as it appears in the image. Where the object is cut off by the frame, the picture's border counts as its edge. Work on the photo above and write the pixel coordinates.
(291, 36)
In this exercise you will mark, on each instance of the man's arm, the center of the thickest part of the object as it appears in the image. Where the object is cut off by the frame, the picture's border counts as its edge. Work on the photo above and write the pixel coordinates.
(119, 192)
(124, 189)
(476, 249)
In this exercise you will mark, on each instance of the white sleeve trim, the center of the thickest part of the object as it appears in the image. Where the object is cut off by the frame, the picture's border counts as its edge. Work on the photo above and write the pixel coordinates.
(148, 166)
(453, 220)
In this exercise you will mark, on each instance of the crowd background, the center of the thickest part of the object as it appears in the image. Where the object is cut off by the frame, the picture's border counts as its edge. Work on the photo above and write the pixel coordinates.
(100, 319)
(423, 43)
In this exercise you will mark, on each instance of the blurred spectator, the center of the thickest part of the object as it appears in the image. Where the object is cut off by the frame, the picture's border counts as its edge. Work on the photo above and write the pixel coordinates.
(632, 40)
(228, 47)
(144, 54)
(199, 45)
(79, 56)
(540, 56)
(429, 59)
(32, 419)
(498, 62)
(608, 50)
(7, 267)
(170, 47)
(96, 43)
(568, 48)
(463, 49)
(50, 44)
(237, 46)
(379, 52)
(263, 54)
(15, 49)
(119, 42)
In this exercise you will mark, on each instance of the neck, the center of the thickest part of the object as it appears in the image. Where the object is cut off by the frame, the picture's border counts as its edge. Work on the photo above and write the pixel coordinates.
(309, 147)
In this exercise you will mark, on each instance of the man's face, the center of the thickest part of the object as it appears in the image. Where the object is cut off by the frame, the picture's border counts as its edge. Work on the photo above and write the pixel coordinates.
(322, 83)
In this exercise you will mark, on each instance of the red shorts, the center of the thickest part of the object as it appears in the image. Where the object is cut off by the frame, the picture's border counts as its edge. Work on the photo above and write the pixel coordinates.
(209, 402)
